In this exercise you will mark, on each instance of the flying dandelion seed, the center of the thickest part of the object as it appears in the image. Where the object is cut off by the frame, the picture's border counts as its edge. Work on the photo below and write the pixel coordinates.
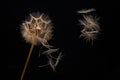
(90, 26)
(35, 31)
(52, 61)
(86, 11)
(90, 23)
(58, 58)
(50, 51)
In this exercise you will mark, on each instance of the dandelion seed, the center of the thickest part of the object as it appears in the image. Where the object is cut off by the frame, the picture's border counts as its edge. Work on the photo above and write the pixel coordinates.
(58, 59)
(86, 10)
(50, 51)
(44, 65)
(52, 64)
(89, 36)
(52, 60)
(90, 25)
(90, 22)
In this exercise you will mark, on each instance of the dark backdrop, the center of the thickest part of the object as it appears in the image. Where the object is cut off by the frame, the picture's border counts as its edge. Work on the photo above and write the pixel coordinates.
(81, 60)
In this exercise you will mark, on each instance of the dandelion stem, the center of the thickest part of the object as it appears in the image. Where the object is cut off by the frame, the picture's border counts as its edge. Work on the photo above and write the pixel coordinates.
(28, 58)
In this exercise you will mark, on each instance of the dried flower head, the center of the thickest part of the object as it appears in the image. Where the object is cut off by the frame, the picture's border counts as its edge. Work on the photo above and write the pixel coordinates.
(38, 29)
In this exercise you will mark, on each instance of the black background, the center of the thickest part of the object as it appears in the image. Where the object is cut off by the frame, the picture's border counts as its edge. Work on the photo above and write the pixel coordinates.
(81, 60)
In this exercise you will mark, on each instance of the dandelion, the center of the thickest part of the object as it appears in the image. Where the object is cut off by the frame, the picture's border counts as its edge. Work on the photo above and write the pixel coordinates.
(36, 30)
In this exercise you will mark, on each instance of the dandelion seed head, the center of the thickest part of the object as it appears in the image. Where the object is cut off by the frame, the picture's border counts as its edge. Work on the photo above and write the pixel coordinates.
(38, 29)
